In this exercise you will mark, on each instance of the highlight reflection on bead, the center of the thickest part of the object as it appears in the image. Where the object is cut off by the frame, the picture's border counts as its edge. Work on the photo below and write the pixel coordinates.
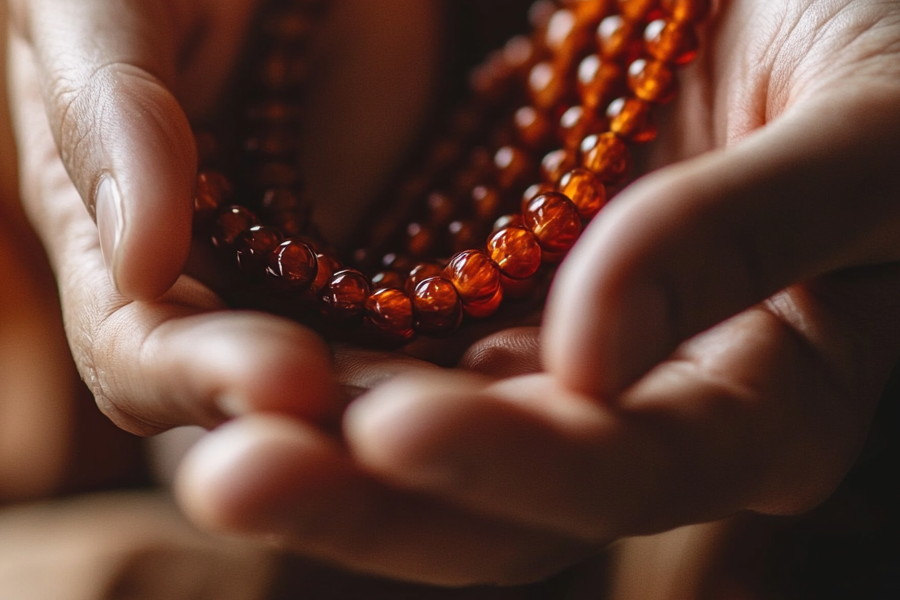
(230, 223)
(585, 190)
(516, 251)
(253, 245)
(475, 277)
(438, 309)
(607, 156)
(554, 220)
(292, 266)
(390, 312)
(344, 296)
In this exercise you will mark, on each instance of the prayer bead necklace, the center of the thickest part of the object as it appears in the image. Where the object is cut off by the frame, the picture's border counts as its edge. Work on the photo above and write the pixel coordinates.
(576, 92)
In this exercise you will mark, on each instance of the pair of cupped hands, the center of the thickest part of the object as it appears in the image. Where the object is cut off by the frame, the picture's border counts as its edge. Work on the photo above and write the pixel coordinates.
(716, 342)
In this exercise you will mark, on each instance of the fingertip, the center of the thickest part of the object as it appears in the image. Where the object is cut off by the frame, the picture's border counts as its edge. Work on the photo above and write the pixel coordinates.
(144, 200)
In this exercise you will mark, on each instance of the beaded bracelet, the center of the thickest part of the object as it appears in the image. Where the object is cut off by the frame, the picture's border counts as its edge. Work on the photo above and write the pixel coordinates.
(576, 92)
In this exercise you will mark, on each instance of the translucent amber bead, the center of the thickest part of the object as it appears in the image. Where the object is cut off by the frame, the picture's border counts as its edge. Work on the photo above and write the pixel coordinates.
(599, 81)
(630, 118)
(507, 221)
(533, 129)
(566, 36)
(344, 296)
(554, 220)
(420, 273)
(516, 251)
(652, 80)
(474, 275)
(486, 202)
(547, 86)
(607, 156)
(585, 190)
(464, 234)
(578, 123)
(437, 307)
(292, 266)
(390, 312)
(513, 166)
(420, 240)
(636, 10)
(683, 11)
(556, 164)
(672, 42)
(327, 267)
(230, 223)
(253, 245)
(213, 190)
(441, 208)
(387, 279)
(535, 190)
(485, 308)
(618, 39)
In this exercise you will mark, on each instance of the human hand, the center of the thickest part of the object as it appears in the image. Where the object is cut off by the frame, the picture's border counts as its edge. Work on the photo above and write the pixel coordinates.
(116, 81)
(671, 394)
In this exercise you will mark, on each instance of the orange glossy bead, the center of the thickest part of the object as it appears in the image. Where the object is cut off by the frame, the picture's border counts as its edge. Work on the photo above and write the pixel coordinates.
(513, 167)
(213, 190)
(533, 129)
(441, 208)
(387, 279)
(585, 190)
(554, 221)
(599, 81)
(252, 247)
(629, 118)
(344, 296)
(516, 251)
(671, 42)
(485, 308)
(486, 202)
(533, 191)
(508, 221)
(607, 156)
(652, 80)
(437, 307)
(636, 10)
(390, 312)
(683, 11)
(292, 266)
(578, 123)
(420, 240)
(566, 36)
(464, 234)
(618, 39)
(547, 86)
(420, 273)
(474, 275)
(327, 266)
(556, 164)
(230, 223)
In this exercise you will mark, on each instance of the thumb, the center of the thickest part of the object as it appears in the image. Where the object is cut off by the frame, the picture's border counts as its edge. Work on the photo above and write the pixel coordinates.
(123, 137)
(691, 245)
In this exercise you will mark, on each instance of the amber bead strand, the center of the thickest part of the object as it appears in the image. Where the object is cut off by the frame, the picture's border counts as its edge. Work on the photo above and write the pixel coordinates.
(589, 76)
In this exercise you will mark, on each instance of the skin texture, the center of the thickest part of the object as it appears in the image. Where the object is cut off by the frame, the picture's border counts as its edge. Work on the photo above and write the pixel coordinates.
(716, 342)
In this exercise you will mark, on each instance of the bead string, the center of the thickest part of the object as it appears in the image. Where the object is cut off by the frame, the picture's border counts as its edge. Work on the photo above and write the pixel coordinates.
(578, 91)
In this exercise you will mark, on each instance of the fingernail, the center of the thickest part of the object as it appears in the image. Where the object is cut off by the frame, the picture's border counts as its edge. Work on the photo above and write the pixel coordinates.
(110, 222)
